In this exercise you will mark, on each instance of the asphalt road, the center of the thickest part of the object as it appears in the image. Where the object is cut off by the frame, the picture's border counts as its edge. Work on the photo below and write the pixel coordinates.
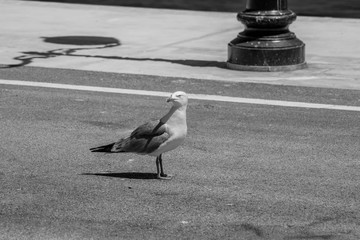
(245, 171)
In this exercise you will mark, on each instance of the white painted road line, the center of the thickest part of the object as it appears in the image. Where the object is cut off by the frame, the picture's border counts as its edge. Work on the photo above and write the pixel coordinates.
(192, 96)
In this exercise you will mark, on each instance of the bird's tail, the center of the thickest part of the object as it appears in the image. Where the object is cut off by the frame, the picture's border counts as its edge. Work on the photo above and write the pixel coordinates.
(105, 148)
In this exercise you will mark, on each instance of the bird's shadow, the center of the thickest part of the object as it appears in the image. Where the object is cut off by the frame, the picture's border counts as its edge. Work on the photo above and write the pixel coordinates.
(128, 175)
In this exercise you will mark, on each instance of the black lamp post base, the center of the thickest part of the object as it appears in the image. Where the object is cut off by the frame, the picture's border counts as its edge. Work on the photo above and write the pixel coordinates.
(266, 44)
(283, 52)
(283, 68)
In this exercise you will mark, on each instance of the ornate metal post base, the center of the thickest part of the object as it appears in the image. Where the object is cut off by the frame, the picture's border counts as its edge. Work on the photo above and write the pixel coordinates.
(266, 44)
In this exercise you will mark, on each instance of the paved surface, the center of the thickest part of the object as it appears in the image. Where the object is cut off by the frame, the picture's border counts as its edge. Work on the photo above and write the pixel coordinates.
(166, 43)
(245, 171)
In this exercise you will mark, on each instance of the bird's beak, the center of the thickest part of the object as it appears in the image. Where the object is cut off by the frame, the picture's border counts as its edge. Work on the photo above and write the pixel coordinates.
(170, 99)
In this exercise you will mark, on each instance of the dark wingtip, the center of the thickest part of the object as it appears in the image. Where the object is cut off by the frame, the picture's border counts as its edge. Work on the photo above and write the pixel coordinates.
(105, 148)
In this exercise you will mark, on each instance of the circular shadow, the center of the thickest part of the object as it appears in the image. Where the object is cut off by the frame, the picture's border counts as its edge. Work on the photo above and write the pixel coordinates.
(82, 40)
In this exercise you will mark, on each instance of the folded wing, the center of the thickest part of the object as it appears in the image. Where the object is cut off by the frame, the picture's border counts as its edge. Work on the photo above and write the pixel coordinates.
(143, 140)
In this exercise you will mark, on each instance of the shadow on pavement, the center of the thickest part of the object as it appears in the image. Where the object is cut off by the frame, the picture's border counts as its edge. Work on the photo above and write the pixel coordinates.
(99, 43)
(83, 40)
(129, 175)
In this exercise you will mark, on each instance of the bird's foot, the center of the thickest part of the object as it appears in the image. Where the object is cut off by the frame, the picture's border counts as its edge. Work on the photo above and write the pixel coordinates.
(164, 177)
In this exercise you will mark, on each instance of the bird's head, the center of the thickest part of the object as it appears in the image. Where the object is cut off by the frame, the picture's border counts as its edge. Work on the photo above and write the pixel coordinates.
(178, 98)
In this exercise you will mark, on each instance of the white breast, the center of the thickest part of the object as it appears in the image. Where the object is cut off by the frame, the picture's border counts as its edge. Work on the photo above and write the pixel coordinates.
(176, 127)
(177, 137)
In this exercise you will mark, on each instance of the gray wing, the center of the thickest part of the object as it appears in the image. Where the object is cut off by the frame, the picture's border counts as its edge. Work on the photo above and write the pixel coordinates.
(144, 139)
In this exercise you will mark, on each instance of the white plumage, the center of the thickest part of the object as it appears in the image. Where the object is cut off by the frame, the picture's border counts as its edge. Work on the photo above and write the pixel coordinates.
(156, 137)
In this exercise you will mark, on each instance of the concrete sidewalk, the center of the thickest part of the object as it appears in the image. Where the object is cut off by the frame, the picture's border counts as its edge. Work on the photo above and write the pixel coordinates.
(175, 43)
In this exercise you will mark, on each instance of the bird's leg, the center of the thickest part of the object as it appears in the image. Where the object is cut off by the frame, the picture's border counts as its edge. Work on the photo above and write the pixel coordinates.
(157, 167)
(162, 174)
(160, 170)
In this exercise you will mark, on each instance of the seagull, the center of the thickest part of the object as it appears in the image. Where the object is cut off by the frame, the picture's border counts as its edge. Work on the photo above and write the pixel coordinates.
(155, 137)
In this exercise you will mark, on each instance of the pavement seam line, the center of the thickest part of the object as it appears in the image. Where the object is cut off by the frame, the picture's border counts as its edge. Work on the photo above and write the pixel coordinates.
(205, 97)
